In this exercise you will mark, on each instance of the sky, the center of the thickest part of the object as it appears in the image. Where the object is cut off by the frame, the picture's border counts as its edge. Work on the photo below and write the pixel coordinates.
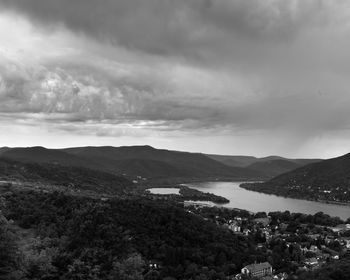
(215, 76)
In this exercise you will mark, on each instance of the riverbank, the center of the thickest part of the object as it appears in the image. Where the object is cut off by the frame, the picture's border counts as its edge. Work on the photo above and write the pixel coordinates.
(253, 201)
(259, 188)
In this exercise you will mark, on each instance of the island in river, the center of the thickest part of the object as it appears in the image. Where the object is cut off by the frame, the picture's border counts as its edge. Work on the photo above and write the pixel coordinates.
(183, 193)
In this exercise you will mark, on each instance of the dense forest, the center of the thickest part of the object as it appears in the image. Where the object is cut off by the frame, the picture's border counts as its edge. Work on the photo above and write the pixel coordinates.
(81, 238)
(58, 236)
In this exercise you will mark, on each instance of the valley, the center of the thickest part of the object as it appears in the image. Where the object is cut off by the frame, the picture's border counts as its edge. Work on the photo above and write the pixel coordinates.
(90, 213)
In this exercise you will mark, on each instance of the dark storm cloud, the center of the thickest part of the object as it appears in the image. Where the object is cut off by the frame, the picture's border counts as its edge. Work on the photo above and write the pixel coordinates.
(199, 66)
(176, 27)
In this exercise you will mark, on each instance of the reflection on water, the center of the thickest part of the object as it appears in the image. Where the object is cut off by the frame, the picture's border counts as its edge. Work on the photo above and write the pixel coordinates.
(254, 201)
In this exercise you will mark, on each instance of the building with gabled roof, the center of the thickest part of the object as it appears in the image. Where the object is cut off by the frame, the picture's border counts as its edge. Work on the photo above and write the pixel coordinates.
(258, 270)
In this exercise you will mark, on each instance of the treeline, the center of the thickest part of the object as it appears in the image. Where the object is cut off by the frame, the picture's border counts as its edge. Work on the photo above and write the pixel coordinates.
(325, 192)
(319, 218)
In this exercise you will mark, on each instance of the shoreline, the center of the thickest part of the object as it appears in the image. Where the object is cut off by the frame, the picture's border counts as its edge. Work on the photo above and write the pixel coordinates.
(293, 197)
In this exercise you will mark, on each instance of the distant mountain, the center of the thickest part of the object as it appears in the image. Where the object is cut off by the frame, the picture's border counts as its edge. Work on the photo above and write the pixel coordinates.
(234, 161)
(133, 161)
(43, 155)
(149, 162)
(157, 164)
(245, 161)
(54, 174)
(268, 166)
(326, 180)
(272, 168)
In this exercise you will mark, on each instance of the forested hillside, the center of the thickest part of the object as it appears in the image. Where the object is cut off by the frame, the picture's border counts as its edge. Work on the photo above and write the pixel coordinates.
(66, 176)
(327, 180)
(134, 161)
(80, 238)
(59, 236)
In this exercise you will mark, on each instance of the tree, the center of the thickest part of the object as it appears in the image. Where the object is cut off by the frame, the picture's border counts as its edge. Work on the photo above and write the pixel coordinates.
(152, 275)
(9, 254)
(128, 269)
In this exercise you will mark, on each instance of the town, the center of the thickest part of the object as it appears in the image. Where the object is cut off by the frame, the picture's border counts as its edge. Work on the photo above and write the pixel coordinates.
(286, 244)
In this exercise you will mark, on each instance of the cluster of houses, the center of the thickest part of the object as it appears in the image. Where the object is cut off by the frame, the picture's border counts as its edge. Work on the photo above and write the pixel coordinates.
(318, 248)
(264, 271)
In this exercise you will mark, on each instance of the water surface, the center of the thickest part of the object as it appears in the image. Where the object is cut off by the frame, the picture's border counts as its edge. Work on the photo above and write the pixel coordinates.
(256, 202)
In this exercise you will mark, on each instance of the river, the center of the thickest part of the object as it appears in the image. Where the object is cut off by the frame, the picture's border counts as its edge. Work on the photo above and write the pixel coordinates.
(258, 202)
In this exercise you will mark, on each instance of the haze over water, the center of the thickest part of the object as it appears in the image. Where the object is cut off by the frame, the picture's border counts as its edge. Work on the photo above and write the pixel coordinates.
(257, 202)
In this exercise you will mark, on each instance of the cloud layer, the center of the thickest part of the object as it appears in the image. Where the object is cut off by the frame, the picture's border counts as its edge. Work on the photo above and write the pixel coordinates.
(169, 26)
(186, 68)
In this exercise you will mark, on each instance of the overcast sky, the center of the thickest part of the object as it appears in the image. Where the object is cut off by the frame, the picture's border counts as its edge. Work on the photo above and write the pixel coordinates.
(255, 77)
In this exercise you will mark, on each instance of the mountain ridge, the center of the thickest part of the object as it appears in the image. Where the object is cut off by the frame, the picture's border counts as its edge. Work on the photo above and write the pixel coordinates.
(134, 161)
(151, 163)
(244, 161)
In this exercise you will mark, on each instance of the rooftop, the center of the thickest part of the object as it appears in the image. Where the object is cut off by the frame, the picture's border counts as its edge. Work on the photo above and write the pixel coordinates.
(258, 266)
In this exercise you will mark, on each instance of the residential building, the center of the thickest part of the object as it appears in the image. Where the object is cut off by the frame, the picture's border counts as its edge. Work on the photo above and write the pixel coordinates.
(258, 270)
